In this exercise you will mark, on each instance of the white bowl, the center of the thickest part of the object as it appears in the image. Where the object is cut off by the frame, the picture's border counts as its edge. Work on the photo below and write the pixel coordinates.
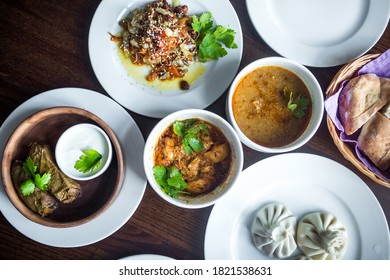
(201, 200)
(70, 147)
(316, 96)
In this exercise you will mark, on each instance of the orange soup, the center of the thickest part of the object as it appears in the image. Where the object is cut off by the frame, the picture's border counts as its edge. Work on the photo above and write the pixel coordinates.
(272, 106)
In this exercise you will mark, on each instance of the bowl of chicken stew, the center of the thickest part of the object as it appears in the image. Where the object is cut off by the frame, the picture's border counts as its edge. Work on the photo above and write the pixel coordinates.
(192, 158)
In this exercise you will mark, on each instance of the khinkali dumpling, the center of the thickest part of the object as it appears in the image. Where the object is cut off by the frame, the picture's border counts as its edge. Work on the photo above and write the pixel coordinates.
(321, 236)
(273, 230)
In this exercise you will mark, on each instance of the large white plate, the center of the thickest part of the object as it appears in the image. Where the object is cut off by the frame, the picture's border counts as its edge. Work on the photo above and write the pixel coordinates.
(134, 184)
(137, 96)
(320, 33)
(304, 183)
(147, 257)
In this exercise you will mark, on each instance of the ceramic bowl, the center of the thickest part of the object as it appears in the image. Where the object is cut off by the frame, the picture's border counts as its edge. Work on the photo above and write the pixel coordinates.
(217, 193)
(315, 93)
(75, 144)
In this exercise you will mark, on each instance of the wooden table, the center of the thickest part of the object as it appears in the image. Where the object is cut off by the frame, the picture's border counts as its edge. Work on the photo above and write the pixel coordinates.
(44, 45)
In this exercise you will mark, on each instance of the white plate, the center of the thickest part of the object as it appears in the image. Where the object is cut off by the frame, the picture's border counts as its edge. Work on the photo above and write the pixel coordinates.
(304, 183)
(320, 33)
(135, 94)
(147, 257)
(134, 184)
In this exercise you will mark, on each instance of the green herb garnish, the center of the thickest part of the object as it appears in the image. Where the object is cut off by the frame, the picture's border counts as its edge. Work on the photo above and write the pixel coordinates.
(88, 161)
(170, 180)
(189, 130)
(297, 105)
(209, 39)
(34, 180)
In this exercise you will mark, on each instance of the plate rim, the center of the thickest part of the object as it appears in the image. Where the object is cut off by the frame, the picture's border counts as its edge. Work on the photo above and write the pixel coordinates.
(382, 6)
(80, 97)
(147, 257)
(210, 250)
(131, 96)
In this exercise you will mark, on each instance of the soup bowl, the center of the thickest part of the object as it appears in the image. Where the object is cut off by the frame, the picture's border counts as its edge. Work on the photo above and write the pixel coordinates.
(154, 151)
(291, 84)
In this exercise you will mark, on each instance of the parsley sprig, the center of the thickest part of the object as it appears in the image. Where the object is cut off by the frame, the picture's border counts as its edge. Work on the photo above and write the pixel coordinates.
(170, 180)
(88, 161)
(189, 130)
(34, 179)
(210, 39)
(297, 105)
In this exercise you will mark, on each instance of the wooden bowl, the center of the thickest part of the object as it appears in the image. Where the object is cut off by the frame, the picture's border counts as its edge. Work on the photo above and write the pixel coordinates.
(45, 127)
(347, 72)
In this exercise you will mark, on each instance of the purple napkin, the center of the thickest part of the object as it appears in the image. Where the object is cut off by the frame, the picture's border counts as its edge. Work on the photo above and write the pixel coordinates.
(380, 67)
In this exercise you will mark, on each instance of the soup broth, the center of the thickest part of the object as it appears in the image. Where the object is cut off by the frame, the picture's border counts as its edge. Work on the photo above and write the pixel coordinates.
(261, 106)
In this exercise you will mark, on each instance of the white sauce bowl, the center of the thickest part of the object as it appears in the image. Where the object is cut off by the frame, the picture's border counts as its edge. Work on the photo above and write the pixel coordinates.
(73, 141)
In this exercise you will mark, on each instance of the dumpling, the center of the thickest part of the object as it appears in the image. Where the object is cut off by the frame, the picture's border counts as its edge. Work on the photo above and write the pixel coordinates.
(273, 231)
(321, 236)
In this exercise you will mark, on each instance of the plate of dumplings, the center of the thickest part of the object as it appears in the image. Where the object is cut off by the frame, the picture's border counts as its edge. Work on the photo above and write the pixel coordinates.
(298, 206)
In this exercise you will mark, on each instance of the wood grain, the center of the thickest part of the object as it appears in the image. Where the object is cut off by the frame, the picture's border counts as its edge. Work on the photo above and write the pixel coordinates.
(44, 45)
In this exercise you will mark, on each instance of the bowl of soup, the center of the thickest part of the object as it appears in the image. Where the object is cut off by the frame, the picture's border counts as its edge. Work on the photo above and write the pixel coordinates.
(192, 158)
(275, 105)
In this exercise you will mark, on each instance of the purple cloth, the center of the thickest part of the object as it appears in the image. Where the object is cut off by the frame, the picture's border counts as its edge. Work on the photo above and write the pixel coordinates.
(380, 67)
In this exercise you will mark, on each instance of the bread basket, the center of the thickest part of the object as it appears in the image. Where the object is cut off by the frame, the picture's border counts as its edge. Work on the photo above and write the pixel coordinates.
(346, 72)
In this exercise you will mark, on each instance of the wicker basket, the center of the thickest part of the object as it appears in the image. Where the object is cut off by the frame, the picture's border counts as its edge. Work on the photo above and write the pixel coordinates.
(346, 72)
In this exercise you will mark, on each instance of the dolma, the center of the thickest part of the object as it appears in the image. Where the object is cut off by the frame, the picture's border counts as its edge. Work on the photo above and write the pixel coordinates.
(41, 202)
(61, 186)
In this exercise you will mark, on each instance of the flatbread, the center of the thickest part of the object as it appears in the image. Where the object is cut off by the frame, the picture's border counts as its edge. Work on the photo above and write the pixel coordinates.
(360, 99)
(374, 141)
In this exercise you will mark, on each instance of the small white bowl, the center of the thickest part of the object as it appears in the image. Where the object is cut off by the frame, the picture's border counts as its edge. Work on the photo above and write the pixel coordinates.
(73, 141)
(201, 200)
(316, 96)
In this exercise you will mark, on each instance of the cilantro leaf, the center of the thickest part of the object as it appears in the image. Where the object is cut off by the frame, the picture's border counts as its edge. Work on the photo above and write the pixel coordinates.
(34, 180)
(302, 104)
(29, 167)
(292, 106)
(200, 127)
(27, 187)
(42, 182)
(161, 175)
(170, 180)
(178, 128)
(297, 105)
(88, 161)
(186, 145)
(210, 40)
(226, 36)
(189, 130)
(203, 24)
(194, 142)
(176, 179)
(210, 49)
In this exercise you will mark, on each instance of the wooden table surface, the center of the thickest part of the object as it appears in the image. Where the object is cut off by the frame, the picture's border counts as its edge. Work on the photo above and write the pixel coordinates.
(43, 46)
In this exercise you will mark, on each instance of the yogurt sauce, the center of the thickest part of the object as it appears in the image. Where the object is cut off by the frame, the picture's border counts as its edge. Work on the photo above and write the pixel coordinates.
(74, 141)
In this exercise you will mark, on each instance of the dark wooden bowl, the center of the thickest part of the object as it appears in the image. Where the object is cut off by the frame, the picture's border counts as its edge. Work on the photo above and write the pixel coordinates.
(45, 127)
